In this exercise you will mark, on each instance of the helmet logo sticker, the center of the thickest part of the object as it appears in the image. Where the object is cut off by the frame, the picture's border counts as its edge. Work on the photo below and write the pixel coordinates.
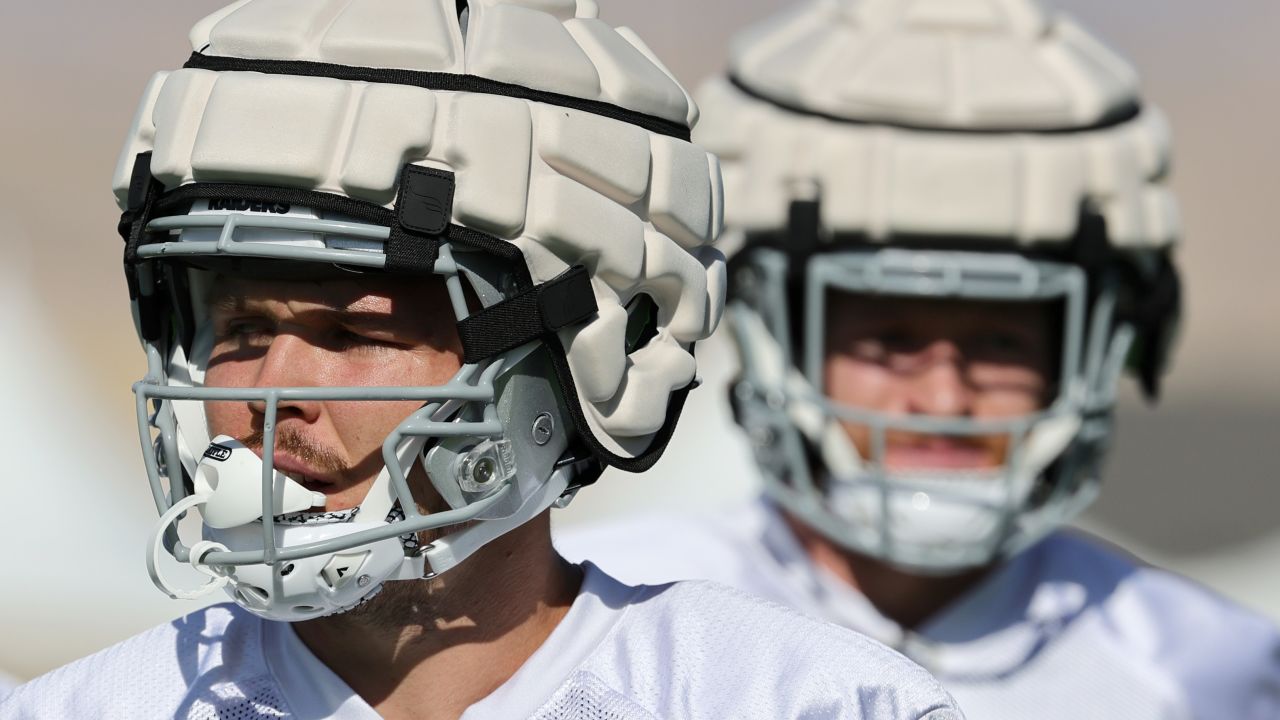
(242, 205)
(219, 453)
(426, 200)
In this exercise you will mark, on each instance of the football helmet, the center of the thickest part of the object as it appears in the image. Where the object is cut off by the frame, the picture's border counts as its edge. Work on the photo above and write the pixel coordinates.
(531, 155)
(969, 149)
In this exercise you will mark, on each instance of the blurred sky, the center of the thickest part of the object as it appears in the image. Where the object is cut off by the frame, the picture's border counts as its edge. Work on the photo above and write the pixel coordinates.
(1192, 484)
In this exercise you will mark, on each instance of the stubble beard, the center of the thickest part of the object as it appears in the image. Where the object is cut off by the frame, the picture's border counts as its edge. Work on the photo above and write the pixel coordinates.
(397, 604)
(424, 603)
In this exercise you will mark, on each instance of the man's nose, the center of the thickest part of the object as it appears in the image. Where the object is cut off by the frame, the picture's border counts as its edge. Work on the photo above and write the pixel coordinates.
(288, 362)
(939, 387)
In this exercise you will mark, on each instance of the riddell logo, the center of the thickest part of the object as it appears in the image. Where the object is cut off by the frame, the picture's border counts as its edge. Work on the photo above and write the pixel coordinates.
(249, 206)
(219, 453)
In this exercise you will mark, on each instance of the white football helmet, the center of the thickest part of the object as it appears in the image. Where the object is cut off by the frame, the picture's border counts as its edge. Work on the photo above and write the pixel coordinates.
(526, 152)
(976, 149)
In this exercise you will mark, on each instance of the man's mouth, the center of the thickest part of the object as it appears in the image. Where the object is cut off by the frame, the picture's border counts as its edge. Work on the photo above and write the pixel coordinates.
(941, 453)
(307, 477)
(312, 484)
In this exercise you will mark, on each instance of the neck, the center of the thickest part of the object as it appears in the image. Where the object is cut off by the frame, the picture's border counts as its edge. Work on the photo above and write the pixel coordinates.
(907, 599)
(432, 648)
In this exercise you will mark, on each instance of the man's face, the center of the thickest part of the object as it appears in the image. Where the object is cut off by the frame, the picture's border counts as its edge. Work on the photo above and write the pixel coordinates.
(942, 358)
(375, 331)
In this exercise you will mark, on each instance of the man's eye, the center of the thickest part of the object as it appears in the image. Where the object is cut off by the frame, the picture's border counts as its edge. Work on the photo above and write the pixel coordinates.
(867, 349)
(881, 345)
(899, 341)
(348, 340)
(1002, 343)
(244, 328)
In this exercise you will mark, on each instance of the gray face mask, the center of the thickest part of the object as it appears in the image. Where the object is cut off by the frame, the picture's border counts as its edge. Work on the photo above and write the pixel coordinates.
(932, 521)
(266, 540)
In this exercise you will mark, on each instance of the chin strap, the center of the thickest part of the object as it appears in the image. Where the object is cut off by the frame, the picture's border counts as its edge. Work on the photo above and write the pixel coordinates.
(218, 578)
(447, 552)
(536, 313)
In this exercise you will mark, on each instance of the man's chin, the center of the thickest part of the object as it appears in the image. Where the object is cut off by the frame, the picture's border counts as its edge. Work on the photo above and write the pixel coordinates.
(398, 604)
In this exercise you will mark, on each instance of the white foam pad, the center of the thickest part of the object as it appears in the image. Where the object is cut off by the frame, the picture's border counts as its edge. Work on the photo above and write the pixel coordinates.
(560, 9)
(387, 115)
(627, 76)
(640, 210)
(880, 180)
(580, 224)
(176, 122)
(275, 152)
(523, 46)
(691, 111)
(942, 63)
(552, 45)
(674, 273)
(659, 368)
(489, 137)
(382, 33)
(612, 158)
(678, 192)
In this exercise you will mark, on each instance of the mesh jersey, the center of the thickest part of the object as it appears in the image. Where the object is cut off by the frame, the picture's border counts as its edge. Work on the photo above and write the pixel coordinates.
(1067, 629)
(686, 650)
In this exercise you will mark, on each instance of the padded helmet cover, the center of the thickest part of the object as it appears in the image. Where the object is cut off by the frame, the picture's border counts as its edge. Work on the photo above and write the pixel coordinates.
(943, 148)
(621, 193)
(973, 118)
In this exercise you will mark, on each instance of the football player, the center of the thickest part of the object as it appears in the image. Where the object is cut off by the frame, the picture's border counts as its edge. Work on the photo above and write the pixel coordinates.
(408, 273)
(954, 236)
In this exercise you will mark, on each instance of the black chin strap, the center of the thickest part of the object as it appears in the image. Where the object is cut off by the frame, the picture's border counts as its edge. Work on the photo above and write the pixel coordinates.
(144, 195)
(534, 314)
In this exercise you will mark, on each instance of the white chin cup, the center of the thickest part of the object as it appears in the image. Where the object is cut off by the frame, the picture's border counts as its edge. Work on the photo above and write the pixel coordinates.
(228, 484)
(310, 587)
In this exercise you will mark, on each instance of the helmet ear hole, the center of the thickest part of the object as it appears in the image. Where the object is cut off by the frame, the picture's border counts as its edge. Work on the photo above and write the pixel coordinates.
(642, 321)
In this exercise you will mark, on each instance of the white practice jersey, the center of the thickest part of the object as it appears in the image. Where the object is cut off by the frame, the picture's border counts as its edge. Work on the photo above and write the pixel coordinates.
(7, 684)
(1067, 630)
(685, 650)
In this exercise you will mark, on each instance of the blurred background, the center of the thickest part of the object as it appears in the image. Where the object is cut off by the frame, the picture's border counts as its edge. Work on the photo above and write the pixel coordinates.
(1192, 485)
